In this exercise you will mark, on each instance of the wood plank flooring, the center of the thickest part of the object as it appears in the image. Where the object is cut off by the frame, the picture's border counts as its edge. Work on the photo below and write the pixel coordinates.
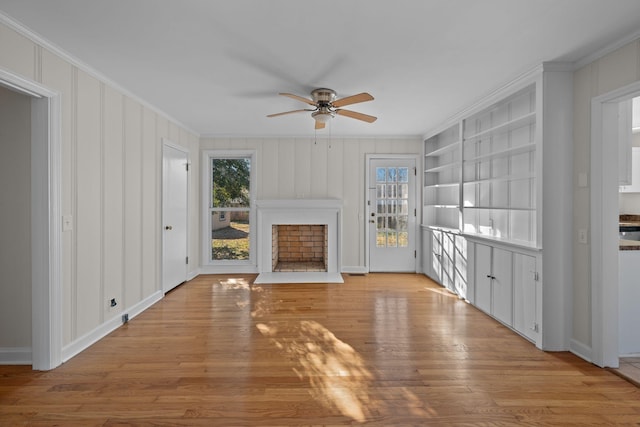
(381, 349)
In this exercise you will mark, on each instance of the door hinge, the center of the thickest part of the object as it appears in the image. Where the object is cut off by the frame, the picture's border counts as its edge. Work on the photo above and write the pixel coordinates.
(415, 254)
(187, 166)
(536, 276)
(415, 171)
(415, 212)
(187, 260)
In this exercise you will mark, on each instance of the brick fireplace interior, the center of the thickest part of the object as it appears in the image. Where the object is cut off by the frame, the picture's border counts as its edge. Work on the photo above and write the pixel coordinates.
(299, 247)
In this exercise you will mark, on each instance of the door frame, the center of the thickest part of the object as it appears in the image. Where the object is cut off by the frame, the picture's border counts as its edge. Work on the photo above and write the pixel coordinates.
(367, 188)
(46, 220)
(168, 143)
(604, 211)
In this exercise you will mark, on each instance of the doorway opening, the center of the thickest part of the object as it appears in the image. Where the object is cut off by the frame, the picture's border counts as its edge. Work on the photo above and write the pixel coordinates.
(606, 159)
(45, 351)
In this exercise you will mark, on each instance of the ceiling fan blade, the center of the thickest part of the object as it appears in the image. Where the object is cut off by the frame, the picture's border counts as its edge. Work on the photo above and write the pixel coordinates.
(361, 97)
(299, 98)
(355, 115)
(320, 125)
(289, 112)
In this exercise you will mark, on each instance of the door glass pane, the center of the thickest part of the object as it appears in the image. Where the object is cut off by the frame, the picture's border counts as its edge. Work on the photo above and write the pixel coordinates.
(403, 207)
(381, 174)
(381, 239)
(392, 191)
(380, 205)
(380, 191)
(403, 191)
(392, 175)
(392, 240)
(403, 174)
(403, 239)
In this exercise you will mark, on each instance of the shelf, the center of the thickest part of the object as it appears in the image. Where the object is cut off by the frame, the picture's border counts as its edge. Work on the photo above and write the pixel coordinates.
(443, 206)
(443, 167)
(501, 179)
(506, 127)
(503, 153)
(444, 150)
(500, 208)
(442, 228)
(445, 185)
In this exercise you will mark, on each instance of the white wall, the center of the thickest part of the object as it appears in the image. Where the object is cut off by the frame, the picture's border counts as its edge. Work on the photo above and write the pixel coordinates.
(296, 168)
(15, 221)
(612, 71)
(111, 186)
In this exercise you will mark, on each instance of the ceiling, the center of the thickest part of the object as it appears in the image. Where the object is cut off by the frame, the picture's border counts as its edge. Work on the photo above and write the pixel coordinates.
(217, 66)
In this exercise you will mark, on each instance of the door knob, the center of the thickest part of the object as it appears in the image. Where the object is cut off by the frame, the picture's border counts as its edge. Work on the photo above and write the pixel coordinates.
(168, 227)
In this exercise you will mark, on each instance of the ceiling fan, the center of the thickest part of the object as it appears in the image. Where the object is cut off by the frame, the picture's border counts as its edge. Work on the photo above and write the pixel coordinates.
(327, 106)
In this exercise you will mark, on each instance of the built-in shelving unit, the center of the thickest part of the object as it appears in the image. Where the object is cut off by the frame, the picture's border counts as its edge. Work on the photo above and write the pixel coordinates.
(443, 169)
(486, 235)
(499, 170)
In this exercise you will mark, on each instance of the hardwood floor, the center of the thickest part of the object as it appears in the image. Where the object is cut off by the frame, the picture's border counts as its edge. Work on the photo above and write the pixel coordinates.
(381, 349)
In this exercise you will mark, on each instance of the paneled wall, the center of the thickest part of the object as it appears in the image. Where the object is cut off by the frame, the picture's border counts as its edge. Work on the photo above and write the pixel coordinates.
(612, 71)
(299, 168)
(111, 187)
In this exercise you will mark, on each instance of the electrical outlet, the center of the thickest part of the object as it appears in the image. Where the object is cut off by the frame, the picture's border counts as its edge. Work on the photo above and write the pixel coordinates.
(125, 318)
(113, 303)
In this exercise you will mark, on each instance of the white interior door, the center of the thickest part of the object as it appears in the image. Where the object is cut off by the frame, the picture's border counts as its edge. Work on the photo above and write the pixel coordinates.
(174, 216)
(392, 214)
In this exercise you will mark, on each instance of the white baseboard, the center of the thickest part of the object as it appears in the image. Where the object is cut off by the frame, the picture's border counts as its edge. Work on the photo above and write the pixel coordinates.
(193, 274)
(581, 350)
(354, 270)
(15, 356)
(108, 326)
(228, 269)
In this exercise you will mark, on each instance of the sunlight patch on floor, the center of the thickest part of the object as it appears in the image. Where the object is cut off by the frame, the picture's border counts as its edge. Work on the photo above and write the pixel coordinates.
(337, 374)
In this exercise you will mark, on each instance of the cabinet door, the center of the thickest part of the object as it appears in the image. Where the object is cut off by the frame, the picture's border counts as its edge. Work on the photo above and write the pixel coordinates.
(524, 298)
(502, 292)
(448, 264)
(634, 186)
(436, 255)
(482, 256)
(427, 253)
(460, 257)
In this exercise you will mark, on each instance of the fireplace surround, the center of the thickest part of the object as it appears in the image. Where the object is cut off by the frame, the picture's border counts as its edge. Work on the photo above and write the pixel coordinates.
(311, 212)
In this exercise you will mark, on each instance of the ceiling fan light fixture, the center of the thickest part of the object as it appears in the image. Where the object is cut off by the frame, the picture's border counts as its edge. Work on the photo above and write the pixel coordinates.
(322, 116)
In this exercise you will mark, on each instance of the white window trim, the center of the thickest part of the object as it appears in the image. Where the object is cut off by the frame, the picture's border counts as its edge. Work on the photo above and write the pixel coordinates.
(231, 266)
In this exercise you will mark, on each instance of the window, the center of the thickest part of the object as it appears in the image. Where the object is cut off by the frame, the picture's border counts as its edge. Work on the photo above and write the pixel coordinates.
(229, 207)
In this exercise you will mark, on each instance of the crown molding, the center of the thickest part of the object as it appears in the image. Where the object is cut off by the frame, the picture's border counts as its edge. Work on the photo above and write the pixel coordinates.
(594, 56)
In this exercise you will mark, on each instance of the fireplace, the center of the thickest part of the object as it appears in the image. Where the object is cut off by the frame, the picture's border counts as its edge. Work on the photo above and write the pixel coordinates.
(299, 241)
(299, 247)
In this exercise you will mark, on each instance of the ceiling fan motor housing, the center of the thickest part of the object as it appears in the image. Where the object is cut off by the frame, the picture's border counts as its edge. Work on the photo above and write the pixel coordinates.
(323, 96)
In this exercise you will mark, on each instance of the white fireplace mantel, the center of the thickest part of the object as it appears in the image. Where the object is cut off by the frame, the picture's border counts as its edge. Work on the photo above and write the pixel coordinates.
(299, 211)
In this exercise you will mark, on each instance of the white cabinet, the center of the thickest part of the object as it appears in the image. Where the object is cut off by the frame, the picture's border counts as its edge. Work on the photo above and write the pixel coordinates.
(506, 288)
(494, 282)
(445, 259)
(525, 291)
(634, 187)
(625, 141)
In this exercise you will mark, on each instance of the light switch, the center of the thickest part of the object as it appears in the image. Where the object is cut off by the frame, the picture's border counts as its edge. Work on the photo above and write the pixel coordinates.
(67, 222)
(582, 235)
